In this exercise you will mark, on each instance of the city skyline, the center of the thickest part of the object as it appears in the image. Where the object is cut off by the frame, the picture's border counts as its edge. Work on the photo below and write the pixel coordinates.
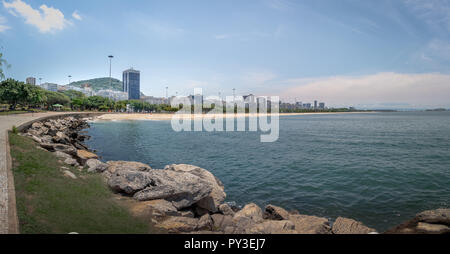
(364, 54)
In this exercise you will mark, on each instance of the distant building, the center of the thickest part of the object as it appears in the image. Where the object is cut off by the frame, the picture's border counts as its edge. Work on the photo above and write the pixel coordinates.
(315, 104)
(307, 105)
(112, 94)
(132, 84)
(50, 87)
(155, 100)
(322, 105)
(31, 81)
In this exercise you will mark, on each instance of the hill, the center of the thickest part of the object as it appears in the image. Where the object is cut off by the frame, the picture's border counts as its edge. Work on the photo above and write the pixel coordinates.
(100, 83)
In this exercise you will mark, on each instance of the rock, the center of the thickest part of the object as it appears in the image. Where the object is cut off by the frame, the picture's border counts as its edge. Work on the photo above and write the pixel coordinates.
(305, 224)
(179, 224)
(272, 212)
(157, 208)
(61, 138)
(115, 166)
(130, 182)
(182, 189)
(225, 209)
(205, 223)
(229, 230)
(187, 213)
(199, 211)
(220, 221)
(349, 226)
(84, 156)
(273, 227)
(438, 216)
(71, 162)
(59, 147)
(427, 228)
(69, 174)
(62, 155)
(217, 195)
(95, 165)
(36, 139)
(37, 125)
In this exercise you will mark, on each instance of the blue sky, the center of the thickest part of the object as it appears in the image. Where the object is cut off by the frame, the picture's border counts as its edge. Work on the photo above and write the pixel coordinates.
(344, 52)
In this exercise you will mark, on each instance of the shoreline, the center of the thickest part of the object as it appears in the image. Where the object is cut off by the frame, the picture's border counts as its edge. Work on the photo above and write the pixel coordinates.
(168, 116)
(209, 212)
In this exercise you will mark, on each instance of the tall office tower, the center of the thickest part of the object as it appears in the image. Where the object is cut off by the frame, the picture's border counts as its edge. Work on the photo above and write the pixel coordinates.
(315, 104)
(131, 84)
(31, 81)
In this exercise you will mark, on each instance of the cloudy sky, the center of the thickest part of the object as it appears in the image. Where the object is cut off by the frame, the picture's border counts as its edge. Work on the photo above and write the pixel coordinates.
(384, 53)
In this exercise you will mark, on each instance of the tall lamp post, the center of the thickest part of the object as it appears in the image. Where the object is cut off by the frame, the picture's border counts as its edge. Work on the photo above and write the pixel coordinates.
(110, 60)
(70, 78)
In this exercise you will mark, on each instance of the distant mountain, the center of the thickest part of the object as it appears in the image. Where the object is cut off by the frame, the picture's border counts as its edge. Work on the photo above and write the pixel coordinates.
(100, 83)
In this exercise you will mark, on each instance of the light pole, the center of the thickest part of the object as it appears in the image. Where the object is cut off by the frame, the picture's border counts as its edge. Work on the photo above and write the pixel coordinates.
(40, 81)
(70, 77)
(167, 92)
(110, 60)
(234, 94)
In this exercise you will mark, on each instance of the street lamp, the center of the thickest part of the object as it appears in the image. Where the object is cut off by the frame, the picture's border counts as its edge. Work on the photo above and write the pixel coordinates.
(70, 77)
(110, 60)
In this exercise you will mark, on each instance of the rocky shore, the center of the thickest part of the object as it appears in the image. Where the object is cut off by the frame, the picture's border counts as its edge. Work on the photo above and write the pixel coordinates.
(188, 199)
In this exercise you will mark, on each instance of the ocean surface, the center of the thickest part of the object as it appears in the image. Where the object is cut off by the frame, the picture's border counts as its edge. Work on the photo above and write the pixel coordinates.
(378, 168)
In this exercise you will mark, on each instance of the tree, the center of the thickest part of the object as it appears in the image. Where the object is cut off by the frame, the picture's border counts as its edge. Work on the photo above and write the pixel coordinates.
(13, 92)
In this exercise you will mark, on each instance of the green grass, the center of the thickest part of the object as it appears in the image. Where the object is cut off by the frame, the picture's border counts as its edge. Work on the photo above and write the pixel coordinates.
(49, 202)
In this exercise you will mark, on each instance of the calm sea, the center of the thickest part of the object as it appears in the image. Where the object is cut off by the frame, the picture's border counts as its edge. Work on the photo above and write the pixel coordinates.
(379, 168)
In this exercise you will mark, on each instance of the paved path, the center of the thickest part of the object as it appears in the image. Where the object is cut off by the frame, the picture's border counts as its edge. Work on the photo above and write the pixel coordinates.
(6, 184)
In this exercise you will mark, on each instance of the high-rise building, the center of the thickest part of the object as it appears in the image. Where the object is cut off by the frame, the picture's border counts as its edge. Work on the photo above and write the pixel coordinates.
(322, 105)
(315, 104)
(31, 81)
(50, 87)
(132, 84)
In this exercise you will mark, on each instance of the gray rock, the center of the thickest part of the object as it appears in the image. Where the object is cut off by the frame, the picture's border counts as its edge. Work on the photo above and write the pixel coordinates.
(217, 195)
(305, 224)
(427, 228)
(130, 182)
(59, 147)
(179, 224)
(250, 211)
(272, 212)
(187, 213)
(69, 174)
(71, 162)
(63, 155)
(205, 223)
(225, 209)
(182, 189)
(273, 227)
(115, 166)
(220, 221)
(95, 165)
(350, 226)
(154, 208)
(438, 216)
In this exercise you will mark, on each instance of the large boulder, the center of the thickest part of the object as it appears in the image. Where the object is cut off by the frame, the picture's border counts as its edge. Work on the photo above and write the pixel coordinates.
(220, 221)
(63, 155)
(305, 224)
(272, 212)
(217, 195)
(246, 218)
(130, 182)
(225, 209)
(273, 227)
(182, 189)
(155, 208)
(350, 226)
(59, 147)
(115, 166)
(205, 223)
(84, 156)
(95, 165)
(427, 222)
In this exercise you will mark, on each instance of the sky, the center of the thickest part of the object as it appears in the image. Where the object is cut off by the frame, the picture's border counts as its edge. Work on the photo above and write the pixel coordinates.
(363, 53)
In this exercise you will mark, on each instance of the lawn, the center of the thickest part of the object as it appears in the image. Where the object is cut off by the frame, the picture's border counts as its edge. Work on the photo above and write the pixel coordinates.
(49, 202)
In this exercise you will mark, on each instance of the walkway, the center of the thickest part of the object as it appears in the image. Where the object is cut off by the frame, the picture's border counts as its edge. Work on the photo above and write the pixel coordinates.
(8, 215)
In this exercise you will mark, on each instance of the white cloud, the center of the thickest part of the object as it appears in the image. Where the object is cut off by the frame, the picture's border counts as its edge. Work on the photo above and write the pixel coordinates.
(435, 13)
(3, 26)
(383, 88)
(76, 15)
(47, 19)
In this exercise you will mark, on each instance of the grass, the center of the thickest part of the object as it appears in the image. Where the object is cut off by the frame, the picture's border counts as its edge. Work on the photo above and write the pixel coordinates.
(49, 202)
(13, 112)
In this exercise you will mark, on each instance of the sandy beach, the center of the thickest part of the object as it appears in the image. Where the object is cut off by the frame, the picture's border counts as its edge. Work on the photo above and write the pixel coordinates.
(165, 116)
